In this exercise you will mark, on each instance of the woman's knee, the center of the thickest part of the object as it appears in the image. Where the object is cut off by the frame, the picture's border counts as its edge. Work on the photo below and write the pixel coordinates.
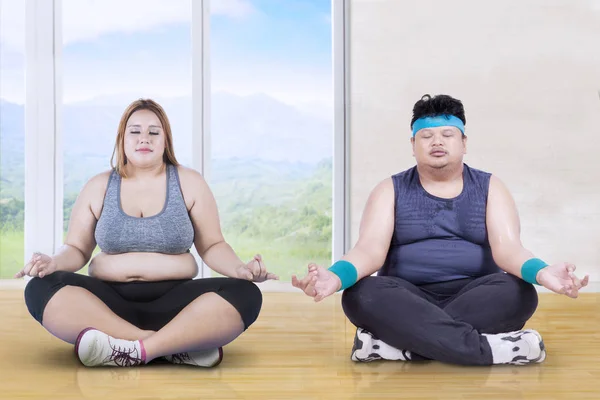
(246, 297)
(39, 291)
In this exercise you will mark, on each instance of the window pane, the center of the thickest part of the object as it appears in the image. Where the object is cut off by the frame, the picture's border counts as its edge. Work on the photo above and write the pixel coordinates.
(111, 59)
(12, 137)
(272, 130)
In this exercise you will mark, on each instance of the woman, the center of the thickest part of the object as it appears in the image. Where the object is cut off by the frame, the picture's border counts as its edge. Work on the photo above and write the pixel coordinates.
(140, 301)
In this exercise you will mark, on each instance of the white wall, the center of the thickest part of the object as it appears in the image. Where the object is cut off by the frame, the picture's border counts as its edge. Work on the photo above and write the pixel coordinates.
(528, 74)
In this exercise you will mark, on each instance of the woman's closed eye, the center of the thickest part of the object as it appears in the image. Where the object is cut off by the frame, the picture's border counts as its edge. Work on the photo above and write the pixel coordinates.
(152, 132)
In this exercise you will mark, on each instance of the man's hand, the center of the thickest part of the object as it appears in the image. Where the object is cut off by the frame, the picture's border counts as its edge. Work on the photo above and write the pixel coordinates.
(318, 283)
(560, 278)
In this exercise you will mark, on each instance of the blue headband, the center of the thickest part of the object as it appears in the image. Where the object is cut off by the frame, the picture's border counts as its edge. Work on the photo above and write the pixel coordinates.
(442, 120)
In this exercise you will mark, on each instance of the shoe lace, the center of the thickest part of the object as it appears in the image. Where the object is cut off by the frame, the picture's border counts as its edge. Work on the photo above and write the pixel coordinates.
(180, 358)
(124, 356)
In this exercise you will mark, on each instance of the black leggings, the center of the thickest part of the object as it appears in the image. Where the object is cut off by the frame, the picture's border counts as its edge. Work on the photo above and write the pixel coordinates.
(441, 321)
(147, 305)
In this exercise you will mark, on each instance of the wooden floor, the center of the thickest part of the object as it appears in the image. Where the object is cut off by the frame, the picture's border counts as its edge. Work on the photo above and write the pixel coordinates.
(300, 350)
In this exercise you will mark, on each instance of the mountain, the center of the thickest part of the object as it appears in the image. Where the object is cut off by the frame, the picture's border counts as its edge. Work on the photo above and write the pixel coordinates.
(255, 129)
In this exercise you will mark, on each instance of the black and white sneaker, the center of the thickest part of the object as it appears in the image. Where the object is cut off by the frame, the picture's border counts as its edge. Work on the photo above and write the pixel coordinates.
(368, 348)
(517, 348)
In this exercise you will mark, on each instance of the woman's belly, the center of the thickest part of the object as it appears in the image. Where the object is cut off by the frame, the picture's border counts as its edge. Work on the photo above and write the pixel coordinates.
(149, 267)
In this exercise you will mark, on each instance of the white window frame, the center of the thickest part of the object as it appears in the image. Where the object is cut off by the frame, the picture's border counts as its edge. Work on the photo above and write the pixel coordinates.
(43, 142)
(340, 209)
(44, 182)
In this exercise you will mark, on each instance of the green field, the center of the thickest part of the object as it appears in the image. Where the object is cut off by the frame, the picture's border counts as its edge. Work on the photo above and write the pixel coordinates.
(12, 247)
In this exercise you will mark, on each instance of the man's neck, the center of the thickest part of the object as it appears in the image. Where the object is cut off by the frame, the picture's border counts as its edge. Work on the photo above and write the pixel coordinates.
(449, 173)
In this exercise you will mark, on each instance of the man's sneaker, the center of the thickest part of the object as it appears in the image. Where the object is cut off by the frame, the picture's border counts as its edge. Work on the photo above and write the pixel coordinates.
(517, 348)
(97, 349)
(204, 358)
(368, 348)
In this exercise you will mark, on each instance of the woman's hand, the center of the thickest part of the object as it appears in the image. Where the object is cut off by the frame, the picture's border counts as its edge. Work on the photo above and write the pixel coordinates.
(255, 271)
(39, 265)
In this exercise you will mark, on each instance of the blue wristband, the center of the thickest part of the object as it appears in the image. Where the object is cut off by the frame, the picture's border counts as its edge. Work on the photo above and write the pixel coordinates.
(346, 272)
(530, 269)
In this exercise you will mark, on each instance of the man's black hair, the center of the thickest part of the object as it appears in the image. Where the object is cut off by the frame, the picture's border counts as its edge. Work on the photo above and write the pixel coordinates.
(438, 105)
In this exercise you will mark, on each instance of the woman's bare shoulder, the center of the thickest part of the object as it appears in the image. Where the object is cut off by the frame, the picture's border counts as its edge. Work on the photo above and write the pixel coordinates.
(97, 183)
(189, 177)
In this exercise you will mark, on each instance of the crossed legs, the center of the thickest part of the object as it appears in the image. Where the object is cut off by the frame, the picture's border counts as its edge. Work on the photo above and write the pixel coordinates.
(194, 315)
(460, 329)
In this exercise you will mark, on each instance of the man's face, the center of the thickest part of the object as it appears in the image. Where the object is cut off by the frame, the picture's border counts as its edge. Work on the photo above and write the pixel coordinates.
(440, 146)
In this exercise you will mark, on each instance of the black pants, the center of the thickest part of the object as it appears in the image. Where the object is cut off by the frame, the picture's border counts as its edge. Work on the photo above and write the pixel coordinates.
(147, 305)
(441, 321)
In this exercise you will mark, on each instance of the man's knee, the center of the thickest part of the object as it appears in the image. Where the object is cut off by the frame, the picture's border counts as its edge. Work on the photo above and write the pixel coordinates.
(517, 292)
(361, 293)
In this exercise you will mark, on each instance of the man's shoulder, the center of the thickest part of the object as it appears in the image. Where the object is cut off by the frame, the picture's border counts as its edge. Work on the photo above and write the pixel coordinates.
(477, 171)
(405, 173)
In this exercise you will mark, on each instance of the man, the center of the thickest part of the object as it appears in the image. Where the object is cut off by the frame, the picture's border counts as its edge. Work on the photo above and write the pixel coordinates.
(455, 284)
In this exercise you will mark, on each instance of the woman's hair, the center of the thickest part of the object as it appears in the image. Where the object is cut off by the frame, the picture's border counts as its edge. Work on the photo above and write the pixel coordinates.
(118, 159)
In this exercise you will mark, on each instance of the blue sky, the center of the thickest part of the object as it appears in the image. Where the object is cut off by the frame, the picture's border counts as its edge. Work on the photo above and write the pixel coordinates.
(281, 48)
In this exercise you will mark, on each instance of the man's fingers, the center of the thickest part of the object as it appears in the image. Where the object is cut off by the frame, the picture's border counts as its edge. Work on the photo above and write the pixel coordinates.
(585, 281)
(570, 291)
(575, 280)
(319, 296)
(298, 283)
(294, 281)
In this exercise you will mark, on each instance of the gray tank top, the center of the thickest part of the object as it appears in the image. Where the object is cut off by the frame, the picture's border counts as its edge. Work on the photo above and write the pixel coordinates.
(170, 231)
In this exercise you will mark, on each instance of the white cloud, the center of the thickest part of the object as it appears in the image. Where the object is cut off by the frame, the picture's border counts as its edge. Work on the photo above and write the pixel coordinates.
(306, 85)
(12, 26)
(232, 8)
(88, 19)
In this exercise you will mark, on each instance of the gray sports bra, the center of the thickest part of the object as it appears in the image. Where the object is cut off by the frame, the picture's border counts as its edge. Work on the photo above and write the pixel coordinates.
(170, 231)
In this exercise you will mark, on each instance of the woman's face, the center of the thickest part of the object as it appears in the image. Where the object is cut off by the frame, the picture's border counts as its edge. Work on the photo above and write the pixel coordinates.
(144, 140)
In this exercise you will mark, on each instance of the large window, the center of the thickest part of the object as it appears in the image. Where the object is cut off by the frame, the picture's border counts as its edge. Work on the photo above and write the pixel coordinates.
(258, 121)
(140, 51)
(272, 130)
(12, 136)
